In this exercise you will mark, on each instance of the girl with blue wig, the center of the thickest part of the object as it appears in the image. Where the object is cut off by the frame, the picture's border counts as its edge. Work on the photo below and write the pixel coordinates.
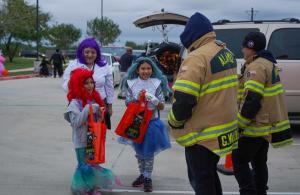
(88, 56)
(145, 75)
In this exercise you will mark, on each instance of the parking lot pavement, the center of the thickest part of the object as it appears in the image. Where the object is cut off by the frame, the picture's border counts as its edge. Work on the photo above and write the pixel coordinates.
(37, 157)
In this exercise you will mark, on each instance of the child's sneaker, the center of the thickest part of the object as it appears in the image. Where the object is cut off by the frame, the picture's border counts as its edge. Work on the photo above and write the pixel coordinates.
(138, 182)
(148, 185)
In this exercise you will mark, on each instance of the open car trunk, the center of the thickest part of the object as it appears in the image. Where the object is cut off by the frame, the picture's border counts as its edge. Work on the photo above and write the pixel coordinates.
(166, 53)
(160, 19)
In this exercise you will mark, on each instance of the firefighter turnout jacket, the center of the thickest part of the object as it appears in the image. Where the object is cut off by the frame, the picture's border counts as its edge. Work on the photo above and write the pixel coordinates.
(262, 109)
(205, 94)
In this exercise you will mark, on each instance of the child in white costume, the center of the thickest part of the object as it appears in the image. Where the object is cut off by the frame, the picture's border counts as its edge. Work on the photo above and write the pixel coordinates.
(145, 75)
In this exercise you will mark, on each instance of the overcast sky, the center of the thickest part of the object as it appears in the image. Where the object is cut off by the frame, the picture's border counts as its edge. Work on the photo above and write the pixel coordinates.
(124, 12)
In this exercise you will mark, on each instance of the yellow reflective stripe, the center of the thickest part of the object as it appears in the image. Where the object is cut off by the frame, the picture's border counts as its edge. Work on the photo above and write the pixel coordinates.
(219, 84)
(208, 133)
(223, 152)
(254, 132)
(255, 86)
(275, 90)
(283, 125)
(187, 87)
(191, 83)
(172, 120)
(242, 121)
(265, 91)
(196, 137)
(241, 91)
(265, 130)
(283, 143)
(239, 98)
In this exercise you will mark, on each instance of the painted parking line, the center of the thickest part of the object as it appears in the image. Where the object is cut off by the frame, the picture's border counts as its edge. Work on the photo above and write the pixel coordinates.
(192, 192)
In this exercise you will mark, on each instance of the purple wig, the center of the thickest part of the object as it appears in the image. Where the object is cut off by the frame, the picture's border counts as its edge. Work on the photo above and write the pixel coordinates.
(92, 43)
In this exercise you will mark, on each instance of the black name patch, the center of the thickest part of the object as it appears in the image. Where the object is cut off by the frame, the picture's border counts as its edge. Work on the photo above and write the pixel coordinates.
(228, 139)
(223, 60)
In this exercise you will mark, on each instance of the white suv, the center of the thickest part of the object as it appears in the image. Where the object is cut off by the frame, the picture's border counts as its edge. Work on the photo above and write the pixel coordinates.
(115, 67)
(283, 40)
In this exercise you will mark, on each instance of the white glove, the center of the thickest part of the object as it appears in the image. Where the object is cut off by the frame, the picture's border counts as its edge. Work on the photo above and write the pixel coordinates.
(151, 98)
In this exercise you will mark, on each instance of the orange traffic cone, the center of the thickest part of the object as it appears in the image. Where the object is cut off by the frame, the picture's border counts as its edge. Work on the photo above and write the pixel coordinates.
(227, 168)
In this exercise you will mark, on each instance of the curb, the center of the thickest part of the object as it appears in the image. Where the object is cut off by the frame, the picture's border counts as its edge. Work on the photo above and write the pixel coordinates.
(18, 77)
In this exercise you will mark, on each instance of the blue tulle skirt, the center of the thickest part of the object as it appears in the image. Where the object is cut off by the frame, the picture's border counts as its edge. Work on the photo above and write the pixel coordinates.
(88, 178)
(156, 140)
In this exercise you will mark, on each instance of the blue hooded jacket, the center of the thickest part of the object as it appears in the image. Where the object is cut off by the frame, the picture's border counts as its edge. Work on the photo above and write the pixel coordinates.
(197, 26)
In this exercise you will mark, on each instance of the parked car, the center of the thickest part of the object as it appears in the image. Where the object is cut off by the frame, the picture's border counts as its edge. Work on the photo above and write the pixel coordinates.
(166, 53)
(30, 54)
(116, 51)
(283, 40)
(137, 52)
(115, 67)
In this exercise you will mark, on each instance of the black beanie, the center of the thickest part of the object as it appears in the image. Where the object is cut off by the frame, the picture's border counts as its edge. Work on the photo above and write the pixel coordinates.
(255, 41)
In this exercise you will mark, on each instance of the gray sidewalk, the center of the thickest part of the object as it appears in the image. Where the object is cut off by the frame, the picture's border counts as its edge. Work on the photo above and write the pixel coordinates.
(37, 156)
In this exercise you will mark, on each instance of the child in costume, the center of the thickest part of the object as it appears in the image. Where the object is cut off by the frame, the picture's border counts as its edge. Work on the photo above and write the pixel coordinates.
(87, 179)
(44, 71)
(145, 75)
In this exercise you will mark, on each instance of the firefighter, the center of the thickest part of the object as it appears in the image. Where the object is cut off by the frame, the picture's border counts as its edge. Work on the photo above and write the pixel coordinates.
(262, 116)
(203, 114)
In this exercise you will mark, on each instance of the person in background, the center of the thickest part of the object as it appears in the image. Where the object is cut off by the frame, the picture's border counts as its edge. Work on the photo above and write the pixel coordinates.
(125, 62)
(88, 56)
(44, 71)
(57, 59)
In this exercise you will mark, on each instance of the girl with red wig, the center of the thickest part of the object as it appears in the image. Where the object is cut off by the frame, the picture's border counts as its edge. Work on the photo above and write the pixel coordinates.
(87, 179)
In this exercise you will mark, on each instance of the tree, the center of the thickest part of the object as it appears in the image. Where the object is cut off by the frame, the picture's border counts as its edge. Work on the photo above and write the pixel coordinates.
(134, 45)
(18, 24)
(63, 36)
(105, 31)
(131, 44)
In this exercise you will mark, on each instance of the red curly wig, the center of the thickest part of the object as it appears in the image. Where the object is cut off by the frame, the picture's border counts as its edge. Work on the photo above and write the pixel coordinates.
(77, 89)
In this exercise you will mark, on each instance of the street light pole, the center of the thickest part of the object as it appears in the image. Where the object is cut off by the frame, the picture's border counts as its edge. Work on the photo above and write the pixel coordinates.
(101, 9)
(252, 13)
(101, 22)
(37, 30)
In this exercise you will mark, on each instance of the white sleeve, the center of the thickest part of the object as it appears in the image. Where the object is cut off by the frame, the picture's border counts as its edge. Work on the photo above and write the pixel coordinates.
(71, 66)
(66, 78)
(109, 86)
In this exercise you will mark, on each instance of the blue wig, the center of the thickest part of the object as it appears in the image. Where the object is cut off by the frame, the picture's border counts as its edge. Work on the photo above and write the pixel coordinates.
(156, 73)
